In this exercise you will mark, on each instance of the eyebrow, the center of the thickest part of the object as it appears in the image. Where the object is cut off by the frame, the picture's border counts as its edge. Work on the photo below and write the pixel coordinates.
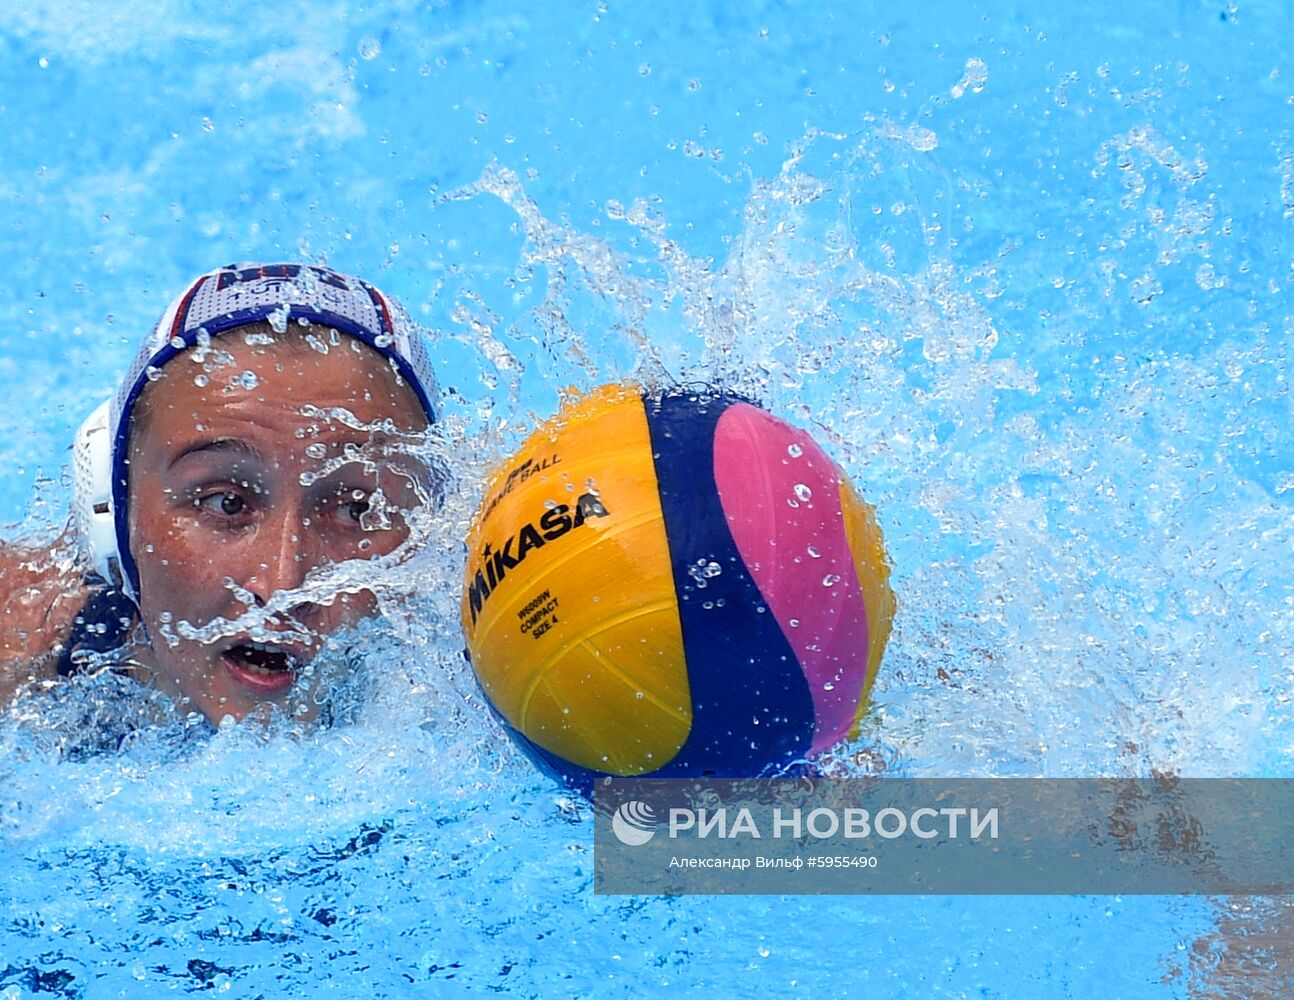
(218, 446)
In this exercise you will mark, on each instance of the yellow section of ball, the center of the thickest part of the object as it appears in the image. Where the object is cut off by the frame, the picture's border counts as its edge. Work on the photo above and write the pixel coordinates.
(873, 568)
(569, 606)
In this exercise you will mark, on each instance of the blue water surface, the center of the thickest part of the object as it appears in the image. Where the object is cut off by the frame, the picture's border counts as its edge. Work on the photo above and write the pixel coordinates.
(1025, 272)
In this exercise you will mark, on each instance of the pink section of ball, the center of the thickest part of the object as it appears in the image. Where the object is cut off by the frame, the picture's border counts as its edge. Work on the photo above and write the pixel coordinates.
(781, 495)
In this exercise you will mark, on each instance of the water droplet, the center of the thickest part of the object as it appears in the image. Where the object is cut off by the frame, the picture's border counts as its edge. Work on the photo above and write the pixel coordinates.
(703, 570)
(814, 552)
(794, 623)
(803, 493)
(638, 695)
(369, 48)
(178, 343)
(829, 686)
(794, 450)
(316, 450)
(208, 125)
(278, 319)
(248, 380)
(974, 79)
(201, 381)
(830, 580)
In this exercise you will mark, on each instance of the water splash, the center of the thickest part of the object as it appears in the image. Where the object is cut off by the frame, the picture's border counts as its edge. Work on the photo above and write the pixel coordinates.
(1029, 626)
(1036, 633)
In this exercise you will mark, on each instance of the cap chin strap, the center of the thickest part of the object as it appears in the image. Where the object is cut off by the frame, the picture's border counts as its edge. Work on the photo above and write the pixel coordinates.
(92, 512)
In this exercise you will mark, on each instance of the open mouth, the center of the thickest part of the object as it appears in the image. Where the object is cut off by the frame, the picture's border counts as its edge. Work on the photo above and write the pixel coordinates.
(260, 658)
(262, 665)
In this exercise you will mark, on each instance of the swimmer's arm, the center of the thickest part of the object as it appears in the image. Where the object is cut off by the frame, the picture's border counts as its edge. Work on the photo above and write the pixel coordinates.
(41, 591)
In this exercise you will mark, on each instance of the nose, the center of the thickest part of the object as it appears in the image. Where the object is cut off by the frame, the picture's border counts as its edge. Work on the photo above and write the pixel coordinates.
(281, 556)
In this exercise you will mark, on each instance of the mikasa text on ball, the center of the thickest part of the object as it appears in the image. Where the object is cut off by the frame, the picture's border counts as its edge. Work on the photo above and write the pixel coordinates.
(676, 585)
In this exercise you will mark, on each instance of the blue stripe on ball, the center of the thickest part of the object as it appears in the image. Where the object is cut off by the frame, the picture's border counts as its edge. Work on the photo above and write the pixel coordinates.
(744, 716)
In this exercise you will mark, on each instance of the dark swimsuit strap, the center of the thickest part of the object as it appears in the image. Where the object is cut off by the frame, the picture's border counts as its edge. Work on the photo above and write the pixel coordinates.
(103, 624)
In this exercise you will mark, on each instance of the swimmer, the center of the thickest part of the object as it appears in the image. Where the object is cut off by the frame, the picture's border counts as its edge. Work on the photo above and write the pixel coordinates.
(261, 437)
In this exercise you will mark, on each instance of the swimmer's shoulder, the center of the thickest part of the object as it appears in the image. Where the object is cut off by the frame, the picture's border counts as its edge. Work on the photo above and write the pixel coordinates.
(41, 593)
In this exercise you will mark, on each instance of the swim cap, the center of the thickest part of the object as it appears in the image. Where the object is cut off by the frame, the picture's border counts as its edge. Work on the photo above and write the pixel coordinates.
(304, 295)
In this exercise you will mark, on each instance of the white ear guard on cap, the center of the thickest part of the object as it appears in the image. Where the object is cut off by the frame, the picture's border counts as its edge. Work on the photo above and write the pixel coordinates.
(92, 512)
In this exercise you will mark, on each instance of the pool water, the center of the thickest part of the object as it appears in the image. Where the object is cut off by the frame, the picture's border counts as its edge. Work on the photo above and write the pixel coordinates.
(1025, 273)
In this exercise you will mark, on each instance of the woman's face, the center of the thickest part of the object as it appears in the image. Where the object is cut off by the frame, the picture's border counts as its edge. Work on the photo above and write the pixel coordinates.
(242, 484)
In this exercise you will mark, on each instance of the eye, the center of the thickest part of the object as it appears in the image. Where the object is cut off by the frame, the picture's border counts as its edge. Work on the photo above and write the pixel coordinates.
(225, 503)
(356, 507)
